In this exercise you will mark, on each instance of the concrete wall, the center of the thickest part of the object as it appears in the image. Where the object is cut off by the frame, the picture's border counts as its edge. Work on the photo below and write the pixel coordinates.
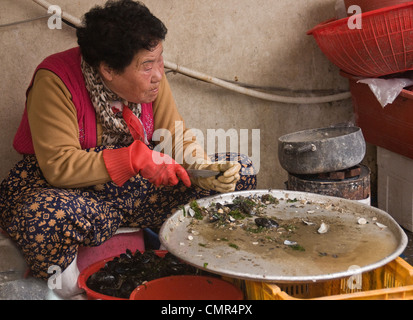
(261, 42)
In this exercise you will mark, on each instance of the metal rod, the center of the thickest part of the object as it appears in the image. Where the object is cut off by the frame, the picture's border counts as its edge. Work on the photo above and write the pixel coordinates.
(23, 21)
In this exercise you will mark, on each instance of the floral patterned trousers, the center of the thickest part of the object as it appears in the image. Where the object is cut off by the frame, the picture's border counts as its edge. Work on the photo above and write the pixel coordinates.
(48, 224)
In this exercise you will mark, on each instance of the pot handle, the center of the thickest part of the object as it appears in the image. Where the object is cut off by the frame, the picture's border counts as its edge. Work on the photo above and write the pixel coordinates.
(290, 149)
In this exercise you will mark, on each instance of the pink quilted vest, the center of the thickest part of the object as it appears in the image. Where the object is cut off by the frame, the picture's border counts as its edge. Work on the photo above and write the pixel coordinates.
(66, 65)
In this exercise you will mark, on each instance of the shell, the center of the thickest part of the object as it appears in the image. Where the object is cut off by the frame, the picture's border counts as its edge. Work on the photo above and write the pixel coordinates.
(381, 226)
(191, 212)
(266, 223)
(362, 221)
(323, 228)
(290, 243)
(308, 223)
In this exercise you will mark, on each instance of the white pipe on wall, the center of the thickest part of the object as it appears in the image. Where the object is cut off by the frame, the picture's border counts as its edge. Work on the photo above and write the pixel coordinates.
(255, 93)
(65, 15)
(222, 83)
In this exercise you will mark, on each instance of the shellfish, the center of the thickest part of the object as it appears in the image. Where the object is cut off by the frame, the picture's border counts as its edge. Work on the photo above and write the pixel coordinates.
(323, 228)
(119, 277)
(266, 223)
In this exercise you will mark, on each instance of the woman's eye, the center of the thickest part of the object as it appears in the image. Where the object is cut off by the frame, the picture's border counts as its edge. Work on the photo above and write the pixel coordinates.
(147, 66)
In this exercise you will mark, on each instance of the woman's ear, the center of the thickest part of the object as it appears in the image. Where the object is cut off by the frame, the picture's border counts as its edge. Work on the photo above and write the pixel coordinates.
(106, 72)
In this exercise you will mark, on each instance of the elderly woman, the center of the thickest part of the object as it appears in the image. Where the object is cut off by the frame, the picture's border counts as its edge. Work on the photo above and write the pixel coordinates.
(90, 162)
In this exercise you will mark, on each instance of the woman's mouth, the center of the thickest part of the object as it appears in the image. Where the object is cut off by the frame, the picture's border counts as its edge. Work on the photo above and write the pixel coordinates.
(156, 90)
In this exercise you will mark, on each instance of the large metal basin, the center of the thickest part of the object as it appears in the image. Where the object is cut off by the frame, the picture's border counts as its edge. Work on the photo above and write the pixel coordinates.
(347, 249)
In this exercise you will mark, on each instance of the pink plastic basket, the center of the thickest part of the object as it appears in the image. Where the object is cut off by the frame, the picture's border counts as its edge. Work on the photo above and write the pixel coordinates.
(111, 248)
(383, 46)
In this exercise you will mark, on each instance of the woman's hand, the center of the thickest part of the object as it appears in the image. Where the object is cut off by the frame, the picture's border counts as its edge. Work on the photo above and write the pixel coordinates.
(223, 183)
(160, 169)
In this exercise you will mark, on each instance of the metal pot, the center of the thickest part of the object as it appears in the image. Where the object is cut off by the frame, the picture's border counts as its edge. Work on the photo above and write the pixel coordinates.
(321, 150)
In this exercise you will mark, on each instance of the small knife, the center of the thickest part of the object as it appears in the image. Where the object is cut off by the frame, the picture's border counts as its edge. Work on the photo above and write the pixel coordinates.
(193, 173)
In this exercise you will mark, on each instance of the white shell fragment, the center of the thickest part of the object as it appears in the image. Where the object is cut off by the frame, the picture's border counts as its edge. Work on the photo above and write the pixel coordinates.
(362, 221)
(308, 223)
(190, 238)
(191, 212)
(381, 226)
(323, 228)
(290, 243)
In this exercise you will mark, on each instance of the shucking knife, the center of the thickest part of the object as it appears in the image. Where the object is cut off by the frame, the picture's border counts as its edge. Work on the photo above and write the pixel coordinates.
(193, 173)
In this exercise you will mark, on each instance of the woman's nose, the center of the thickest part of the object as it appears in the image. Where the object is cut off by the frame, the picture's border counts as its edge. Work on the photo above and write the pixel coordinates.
(158, 73)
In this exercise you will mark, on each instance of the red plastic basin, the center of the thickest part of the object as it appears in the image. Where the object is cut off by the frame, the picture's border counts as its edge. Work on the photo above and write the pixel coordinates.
(87, 272)
(187, 288)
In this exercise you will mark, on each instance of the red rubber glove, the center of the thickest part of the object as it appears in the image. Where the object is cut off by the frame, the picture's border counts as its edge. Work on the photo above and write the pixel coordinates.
(134, 124)
(160, 169)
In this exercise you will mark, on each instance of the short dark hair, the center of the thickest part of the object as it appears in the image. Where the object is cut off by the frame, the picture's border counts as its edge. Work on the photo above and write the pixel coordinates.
(115, 33)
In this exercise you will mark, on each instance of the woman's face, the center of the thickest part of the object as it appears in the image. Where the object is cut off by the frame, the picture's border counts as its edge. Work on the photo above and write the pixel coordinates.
(139, 82)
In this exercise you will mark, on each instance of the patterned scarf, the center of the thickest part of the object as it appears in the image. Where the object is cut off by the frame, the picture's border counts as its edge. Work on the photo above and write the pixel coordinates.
(108, 107)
